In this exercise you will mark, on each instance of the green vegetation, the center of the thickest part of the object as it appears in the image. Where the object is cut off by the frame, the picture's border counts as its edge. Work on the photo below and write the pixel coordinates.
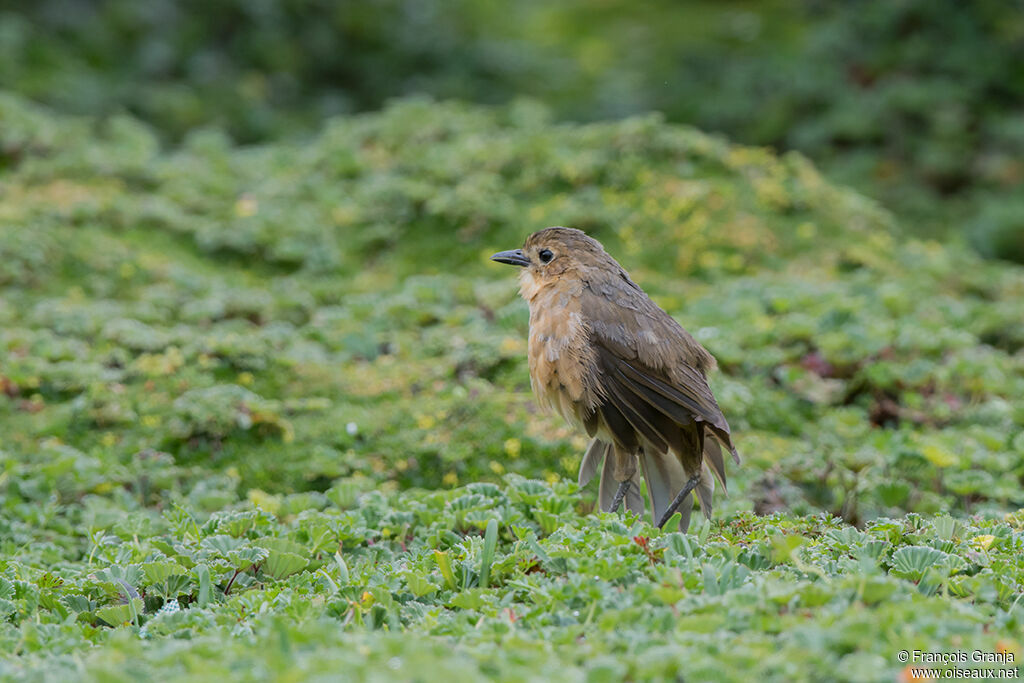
(916, 102)
(282, 389)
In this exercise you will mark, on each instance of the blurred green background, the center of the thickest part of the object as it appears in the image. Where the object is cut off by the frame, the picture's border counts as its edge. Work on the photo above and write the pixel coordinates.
(918, 103)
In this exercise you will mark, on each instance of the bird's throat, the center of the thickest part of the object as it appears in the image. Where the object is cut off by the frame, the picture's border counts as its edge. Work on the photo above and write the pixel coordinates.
(529, 285)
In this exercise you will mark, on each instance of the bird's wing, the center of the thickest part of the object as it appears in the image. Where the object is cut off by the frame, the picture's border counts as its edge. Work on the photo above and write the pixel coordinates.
(652, 369)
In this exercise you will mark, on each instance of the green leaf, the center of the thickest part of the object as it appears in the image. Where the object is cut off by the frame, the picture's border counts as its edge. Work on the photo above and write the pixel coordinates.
(679, 545)
(445, 567)
(893, 493)
(283, 545)
(420, 586)
(244, 558)
(876, 590)
(911, 562)
(222, 544)
(947, 528)
(471, 598)
(342, 568)
(202, 573)
(159, 572)
(783, 546)
(78, 603)
(487, 557)
(118, 615)
(282, 564)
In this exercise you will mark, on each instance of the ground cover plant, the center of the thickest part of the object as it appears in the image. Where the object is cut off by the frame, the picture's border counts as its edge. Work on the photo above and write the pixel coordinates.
(264, 411)
(916, 102)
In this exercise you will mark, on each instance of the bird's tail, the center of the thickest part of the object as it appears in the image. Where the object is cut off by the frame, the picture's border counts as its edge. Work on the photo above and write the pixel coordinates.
(611, 477)
(666, 476)
(592, 460)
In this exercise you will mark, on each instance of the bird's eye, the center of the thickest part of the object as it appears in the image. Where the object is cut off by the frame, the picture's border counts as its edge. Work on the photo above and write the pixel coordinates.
(546, 255)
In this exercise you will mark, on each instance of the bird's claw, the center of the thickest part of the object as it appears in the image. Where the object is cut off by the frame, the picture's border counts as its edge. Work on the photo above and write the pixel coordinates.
(677, 501)
(620, 493)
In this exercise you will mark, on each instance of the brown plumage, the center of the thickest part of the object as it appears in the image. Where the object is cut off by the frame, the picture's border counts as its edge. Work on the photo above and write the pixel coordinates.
(608, 360)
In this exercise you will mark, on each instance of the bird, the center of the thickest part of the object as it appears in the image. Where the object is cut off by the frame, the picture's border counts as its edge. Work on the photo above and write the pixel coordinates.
(612, 363)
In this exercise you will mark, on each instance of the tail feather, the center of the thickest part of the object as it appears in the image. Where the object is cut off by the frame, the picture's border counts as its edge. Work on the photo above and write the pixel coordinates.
(634, 500)
(606, 489)
(592, 459)
(705, 491)
(664, 474)
(635, 496)
(665, 478)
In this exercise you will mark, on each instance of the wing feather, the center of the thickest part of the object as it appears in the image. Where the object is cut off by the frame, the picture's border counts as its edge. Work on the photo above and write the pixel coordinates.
(650, 360)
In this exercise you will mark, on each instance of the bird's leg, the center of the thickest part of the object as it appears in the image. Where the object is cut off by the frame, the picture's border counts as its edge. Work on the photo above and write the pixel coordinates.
(677, 501)
(619, 495)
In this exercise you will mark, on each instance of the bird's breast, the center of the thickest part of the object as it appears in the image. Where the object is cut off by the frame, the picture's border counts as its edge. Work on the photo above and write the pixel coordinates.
(562, 365)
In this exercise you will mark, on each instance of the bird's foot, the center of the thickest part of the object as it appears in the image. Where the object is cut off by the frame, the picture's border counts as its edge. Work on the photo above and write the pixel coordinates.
(619, 495)
(677, 501)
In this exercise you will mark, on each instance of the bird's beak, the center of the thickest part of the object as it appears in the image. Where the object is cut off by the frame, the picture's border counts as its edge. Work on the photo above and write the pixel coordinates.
(513, 257)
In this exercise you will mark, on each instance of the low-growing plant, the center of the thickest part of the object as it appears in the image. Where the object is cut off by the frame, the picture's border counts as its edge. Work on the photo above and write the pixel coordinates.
(267, 409)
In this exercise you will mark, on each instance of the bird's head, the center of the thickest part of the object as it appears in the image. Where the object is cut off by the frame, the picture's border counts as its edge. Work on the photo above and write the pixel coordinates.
(551, 253)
